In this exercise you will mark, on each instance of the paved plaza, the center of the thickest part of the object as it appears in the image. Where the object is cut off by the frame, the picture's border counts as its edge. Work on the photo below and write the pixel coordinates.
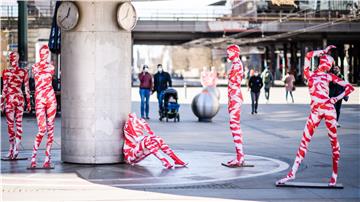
(271, 139)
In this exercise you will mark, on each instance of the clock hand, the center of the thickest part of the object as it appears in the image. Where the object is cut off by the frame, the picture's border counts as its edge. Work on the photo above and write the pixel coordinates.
(67, 15)
(63, 19)
(127, 13)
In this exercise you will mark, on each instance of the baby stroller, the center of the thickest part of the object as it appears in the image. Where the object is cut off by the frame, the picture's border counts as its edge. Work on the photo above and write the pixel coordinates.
(170, 107)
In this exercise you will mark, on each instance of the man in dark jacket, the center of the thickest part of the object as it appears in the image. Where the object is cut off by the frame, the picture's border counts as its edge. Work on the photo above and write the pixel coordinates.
(162, 81)
(255, 84)
(335, 90)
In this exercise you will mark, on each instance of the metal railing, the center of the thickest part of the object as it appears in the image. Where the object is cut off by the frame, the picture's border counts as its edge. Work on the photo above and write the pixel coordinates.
(183, 15)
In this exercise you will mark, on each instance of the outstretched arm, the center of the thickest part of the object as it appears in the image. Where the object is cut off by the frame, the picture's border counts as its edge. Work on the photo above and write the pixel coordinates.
(348, 88)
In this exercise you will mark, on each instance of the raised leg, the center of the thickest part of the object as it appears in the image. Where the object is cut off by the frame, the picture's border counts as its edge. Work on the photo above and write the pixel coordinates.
(167, 150)
(153, 147)
(311, 124)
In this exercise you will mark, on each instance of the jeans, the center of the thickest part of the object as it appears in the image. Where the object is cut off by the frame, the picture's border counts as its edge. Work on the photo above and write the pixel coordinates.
(160, 95)
(290, 94)
(145, 96)
(337, 106)
(267, 93)
(254, 101)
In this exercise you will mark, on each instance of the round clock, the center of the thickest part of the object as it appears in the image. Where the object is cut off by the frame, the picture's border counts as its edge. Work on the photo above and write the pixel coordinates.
(126, 16)
(67, 15)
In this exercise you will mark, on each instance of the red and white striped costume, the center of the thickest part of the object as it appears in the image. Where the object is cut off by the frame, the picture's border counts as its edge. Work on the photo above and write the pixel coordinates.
(322, 107)
(12, 101)
(235, 97)
(139, 145)
(45, 104)
(208, 78)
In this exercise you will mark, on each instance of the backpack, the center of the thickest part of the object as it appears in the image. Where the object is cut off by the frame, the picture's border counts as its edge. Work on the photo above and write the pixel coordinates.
(267, 78)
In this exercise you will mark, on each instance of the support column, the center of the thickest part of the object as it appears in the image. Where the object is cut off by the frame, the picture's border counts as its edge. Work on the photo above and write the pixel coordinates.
(273, 60)
(22, 33)
(96, 85)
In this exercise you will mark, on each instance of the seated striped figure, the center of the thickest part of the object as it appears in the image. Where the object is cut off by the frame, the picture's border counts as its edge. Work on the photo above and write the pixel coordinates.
(140, 141)
(322, 107)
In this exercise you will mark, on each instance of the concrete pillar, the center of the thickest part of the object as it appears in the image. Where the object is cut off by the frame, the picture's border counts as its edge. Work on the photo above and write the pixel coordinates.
(96, 85)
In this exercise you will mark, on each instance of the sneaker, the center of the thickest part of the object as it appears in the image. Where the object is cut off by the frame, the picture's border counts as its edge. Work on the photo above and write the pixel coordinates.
(338, 125)
(147, 117)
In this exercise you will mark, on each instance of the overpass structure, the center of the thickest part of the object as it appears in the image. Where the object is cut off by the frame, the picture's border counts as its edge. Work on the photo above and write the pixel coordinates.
(175, 29)
(284, 36)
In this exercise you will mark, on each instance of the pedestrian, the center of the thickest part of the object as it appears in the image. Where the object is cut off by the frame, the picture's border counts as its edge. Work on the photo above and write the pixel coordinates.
(162, 81)
(335, 90)
(146, 85)
(268, 79)
(289, 85)
(255, 85)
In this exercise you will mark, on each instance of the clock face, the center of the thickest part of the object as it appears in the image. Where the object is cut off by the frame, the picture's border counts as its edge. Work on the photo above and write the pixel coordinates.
(67, 15)
(126, 16)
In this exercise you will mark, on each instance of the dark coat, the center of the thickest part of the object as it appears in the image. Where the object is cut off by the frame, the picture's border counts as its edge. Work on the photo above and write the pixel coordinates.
(162, 81)
(255, 84)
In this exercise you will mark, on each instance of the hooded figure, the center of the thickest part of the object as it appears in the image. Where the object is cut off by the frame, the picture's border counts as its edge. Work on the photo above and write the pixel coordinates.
(12, 101)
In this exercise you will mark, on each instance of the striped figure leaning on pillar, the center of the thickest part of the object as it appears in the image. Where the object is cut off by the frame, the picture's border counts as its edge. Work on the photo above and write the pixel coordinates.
(45, 105)
(12, 101)
(322, 107)
(235, 97)
(139, 145)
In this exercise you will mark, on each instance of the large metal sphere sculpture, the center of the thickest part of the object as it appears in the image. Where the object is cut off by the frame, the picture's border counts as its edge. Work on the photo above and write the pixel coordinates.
(205, 106)
(215, 91)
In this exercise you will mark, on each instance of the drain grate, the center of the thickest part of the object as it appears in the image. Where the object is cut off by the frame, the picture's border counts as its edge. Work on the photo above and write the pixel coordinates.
(208, 186)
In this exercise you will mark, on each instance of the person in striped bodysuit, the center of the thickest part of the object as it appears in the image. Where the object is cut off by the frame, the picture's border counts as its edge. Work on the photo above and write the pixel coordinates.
(45, 105)
(322, 107)
(235, 97)
(12, 101)
(139, 145)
